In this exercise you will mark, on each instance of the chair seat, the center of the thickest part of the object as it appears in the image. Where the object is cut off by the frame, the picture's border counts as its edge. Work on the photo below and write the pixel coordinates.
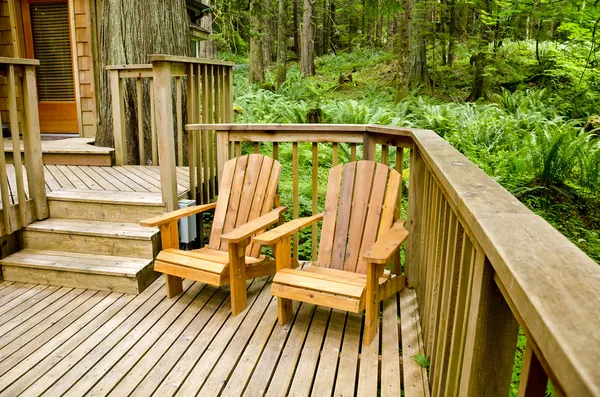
(205, 265)
(337, 289)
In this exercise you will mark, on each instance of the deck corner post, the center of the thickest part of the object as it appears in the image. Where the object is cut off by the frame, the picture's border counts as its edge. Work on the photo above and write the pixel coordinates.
(165, 132)
(368, 146)
(118, 115)
(491, 337)
(32, 144)
(415, 217)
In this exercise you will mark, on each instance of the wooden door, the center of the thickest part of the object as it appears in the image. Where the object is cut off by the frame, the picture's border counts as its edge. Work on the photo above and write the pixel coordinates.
(48, 39)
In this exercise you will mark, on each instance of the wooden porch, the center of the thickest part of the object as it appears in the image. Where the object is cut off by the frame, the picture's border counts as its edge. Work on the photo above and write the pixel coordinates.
(477, 261)
(74, 342)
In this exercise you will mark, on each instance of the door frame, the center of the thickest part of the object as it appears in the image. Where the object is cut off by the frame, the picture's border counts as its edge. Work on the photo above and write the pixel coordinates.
(29, 52)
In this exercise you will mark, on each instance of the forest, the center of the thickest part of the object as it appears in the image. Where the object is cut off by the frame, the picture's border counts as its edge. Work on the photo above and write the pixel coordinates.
(514, 85)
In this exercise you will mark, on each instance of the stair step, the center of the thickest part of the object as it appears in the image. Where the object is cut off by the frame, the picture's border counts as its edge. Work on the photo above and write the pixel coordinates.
(95, 237)
(107, 197)
(102, 272)
(102, 205)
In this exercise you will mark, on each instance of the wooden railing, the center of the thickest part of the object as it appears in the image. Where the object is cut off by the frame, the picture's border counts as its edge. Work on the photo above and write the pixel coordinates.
(482, 264)
(207, 98)
(23, 189)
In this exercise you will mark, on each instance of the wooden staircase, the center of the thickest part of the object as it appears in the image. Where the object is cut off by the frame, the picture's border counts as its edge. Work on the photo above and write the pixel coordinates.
(91, 240)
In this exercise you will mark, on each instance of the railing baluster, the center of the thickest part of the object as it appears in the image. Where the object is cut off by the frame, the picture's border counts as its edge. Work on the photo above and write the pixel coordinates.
(118, 114)
(191, 118)
(315, 195)
(210, 133)
(6, 204)
(334, 154)
(295, 192)
(13, 114)
(238, 149)
(140, 120)
(199, 111)
(491, 337)
(353, 152)
(179, 120)
(257, 147)
(153, 125)
(384, 154)
(276, 150)
(206, 119)
(533, 377)
(459, 326)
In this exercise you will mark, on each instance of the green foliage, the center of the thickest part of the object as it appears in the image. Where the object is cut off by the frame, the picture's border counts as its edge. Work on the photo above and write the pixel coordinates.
(422, 360)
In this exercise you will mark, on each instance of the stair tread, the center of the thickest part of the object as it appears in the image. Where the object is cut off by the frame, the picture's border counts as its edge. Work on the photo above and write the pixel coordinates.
(94, 228)
(107, 197)
(77, 262)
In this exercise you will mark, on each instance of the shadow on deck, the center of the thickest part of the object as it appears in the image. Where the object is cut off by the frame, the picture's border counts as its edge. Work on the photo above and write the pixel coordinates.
(85, 342)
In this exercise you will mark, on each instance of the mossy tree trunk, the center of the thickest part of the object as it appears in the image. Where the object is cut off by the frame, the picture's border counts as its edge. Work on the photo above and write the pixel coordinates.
(257, 72)
(129, 33)
(307, 57)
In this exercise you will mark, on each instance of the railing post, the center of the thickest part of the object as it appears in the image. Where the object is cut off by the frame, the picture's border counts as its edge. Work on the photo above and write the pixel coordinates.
(415, 218)
(491, 338)
(118, 113)
(32, 144)
(222, 153)
(368, 146)
(166, 138)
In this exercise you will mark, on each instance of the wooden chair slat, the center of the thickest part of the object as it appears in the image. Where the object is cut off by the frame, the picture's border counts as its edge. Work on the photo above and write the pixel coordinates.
(251, 178)
(373, 214)
(343, 217)
(390, 202)
(258, 201)
(234, 197)
(222, 204)
(360, 201)
(268, 201)
(330, 216)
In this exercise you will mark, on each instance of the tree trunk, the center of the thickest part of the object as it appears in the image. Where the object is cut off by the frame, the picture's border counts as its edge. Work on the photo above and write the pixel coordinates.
(479, 60)
(418, 74)
(129, 33)
(379, 29)
(296, 12)
(257, 71)
(307, 64)
(452, 31)
(282, 46)
(402, 49)
(267, 40)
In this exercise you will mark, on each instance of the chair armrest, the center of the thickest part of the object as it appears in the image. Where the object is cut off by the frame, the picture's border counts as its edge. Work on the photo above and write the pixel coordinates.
(253, 227)
(291, 227)
(386, 245)
(177, 214)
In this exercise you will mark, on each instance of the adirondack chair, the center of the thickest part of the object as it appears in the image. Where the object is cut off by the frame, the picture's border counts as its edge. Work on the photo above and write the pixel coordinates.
(244, 207)
(358, 239)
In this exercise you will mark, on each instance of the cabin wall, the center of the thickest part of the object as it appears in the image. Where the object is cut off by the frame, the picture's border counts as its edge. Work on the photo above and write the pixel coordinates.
(83, 27)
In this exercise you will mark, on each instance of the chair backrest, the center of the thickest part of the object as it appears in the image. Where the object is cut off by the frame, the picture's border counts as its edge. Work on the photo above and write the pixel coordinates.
(360, 205)
(247, 191)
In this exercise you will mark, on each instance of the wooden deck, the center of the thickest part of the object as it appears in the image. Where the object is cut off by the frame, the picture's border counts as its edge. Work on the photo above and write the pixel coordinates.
(75, 342)
(76, 150)
(129, 178)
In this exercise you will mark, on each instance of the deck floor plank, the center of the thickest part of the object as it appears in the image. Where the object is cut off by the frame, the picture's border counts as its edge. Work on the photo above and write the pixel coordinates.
(77, 342)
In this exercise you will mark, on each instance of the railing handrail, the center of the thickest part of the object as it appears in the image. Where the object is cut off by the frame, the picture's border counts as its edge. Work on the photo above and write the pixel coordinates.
(550, 285)
(539, 270)
(188, 60)
(19, 61)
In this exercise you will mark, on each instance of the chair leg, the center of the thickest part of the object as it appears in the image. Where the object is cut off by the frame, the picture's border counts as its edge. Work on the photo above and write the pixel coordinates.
(283, 259)
(174, 285)
(371, 306)
(237, 278)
